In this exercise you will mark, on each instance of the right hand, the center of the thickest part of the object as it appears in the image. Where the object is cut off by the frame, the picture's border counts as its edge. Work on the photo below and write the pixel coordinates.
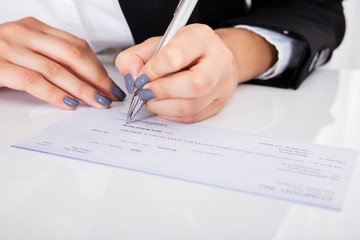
(53, 65)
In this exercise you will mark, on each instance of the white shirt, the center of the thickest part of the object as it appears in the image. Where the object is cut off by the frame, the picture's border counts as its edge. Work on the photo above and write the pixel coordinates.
(103, 25)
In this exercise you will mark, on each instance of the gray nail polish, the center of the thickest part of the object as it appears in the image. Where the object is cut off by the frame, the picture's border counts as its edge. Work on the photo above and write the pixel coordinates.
(71, 102)
(141, 81)
(119, 94)
(105, 101)
(129, 82)
(146, 94)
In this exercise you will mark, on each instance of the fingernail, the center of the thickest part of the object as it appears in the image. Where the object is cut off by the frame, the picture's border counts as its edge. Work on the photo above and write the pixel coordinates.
(141, 81)
(146, 94)
(105, 101)
(119, 94)
(129, 82)
(71, 102)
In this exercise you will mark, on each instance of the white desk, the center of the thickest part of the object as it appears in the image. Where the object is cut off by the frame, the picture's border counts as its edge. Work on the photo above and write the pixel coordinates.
(49, 197)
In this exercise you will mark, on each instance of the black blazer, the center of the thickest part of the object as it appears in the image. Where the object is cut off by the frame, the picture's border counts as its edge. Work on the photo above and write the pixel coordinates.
(319, 23)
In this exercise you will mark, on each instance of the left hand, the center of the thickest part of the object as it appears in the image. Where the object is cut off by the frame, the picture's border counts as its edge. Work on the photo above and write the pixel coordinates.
(204, 71)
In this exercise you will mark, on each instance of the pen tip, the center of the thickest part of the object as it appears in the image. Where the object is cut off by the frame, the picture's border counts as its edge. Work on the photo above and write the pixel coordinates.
(128, 119)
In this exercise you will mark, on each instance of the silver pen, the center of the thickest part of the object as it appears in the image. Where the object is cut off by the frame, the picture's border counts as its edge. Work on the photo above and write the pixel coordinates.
(181, 16)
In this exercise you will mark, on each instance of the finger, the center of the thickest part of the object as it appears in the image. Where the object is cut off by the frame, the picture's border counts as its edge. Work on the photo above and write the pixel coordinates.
(35, 24)
(196, 82)
(133, 59)
(179, 107)
(215, 107)
(182, 50)
(20, 78)
(188, 110)
(79, 58)
(60, 77)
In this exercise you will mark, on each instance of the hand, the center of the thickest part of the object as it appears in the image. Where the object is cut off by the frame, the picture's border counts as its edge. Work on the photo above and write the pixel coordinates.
(206, 67)
(53, 65)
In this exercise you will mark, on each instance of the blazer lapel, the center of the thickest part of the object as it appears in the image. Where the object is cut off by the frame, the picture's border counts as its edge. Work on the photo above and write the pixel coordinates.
(148, 18)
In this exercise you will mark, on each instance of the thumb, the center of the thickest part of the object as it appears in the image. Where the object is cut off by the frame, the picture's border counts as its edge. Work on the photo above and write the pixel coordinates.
(133, 59)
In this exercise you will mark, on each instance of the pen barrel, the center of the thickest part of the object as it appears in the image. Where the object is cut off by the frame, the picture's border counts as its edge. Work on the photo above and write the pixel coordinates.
(181, 17)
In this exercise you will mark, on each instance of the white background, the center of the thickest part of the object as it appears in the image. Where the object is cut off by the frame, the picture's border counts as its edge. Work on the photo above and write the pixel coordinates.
(347, 56)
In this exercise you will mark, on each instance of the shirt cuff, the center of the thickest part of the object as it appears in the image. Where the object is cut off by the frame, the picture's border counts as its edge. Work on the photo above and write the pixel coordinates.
(286, 47)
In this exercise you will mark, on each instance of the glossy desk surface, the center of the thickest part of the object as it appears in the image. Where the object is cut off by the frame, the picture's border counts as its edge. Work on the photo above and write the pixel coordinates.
(49, 197)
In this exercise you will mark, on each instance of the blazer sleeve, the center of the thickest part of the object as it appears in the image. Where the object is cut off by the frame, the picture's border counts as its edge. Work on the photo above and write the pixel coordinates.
(319, 23)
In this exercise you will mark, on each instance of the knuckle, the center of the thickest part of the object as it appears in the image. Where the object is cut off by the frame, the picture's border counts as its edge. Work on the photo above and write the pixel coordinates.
(151, 71)
(127, 58)
(30, 78)
(161, 91)
(187, 108)
(203, 30)
(75, 51)
(52, 69)
(11, 28)
(174, 57)
(102, 79)
(82, 43)
(82, 90)
(4, 45)
(201, 85)
(30, 20)
(51, 97)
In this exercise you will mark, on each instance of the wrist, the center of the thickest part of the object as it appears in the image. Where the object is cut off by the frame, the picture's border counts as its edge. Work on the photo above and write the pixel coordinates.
(253, 54)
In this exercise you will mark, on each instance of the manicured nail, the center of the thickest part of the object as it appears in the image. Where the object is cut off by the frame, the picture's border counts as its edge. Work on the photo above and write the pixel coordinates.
(129, 82)
(71, 102)
(141, 81)
(105, 101)
(146, 94)
(119, 94)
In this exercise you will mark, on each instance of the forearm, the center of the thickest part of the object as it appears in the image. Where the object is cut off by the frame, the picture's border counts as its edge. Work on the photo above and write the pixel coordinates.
(318, 24)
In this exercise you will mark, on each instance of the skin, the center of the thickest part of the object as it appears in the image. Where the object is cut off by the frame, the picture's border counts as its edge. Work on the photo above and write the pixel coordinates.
(50, 64)
(207, 65)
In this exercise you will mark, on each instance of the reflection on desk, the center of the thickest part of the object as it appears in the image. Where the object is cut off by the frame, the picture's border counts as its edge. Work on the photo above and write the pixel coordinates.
(49, 197)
